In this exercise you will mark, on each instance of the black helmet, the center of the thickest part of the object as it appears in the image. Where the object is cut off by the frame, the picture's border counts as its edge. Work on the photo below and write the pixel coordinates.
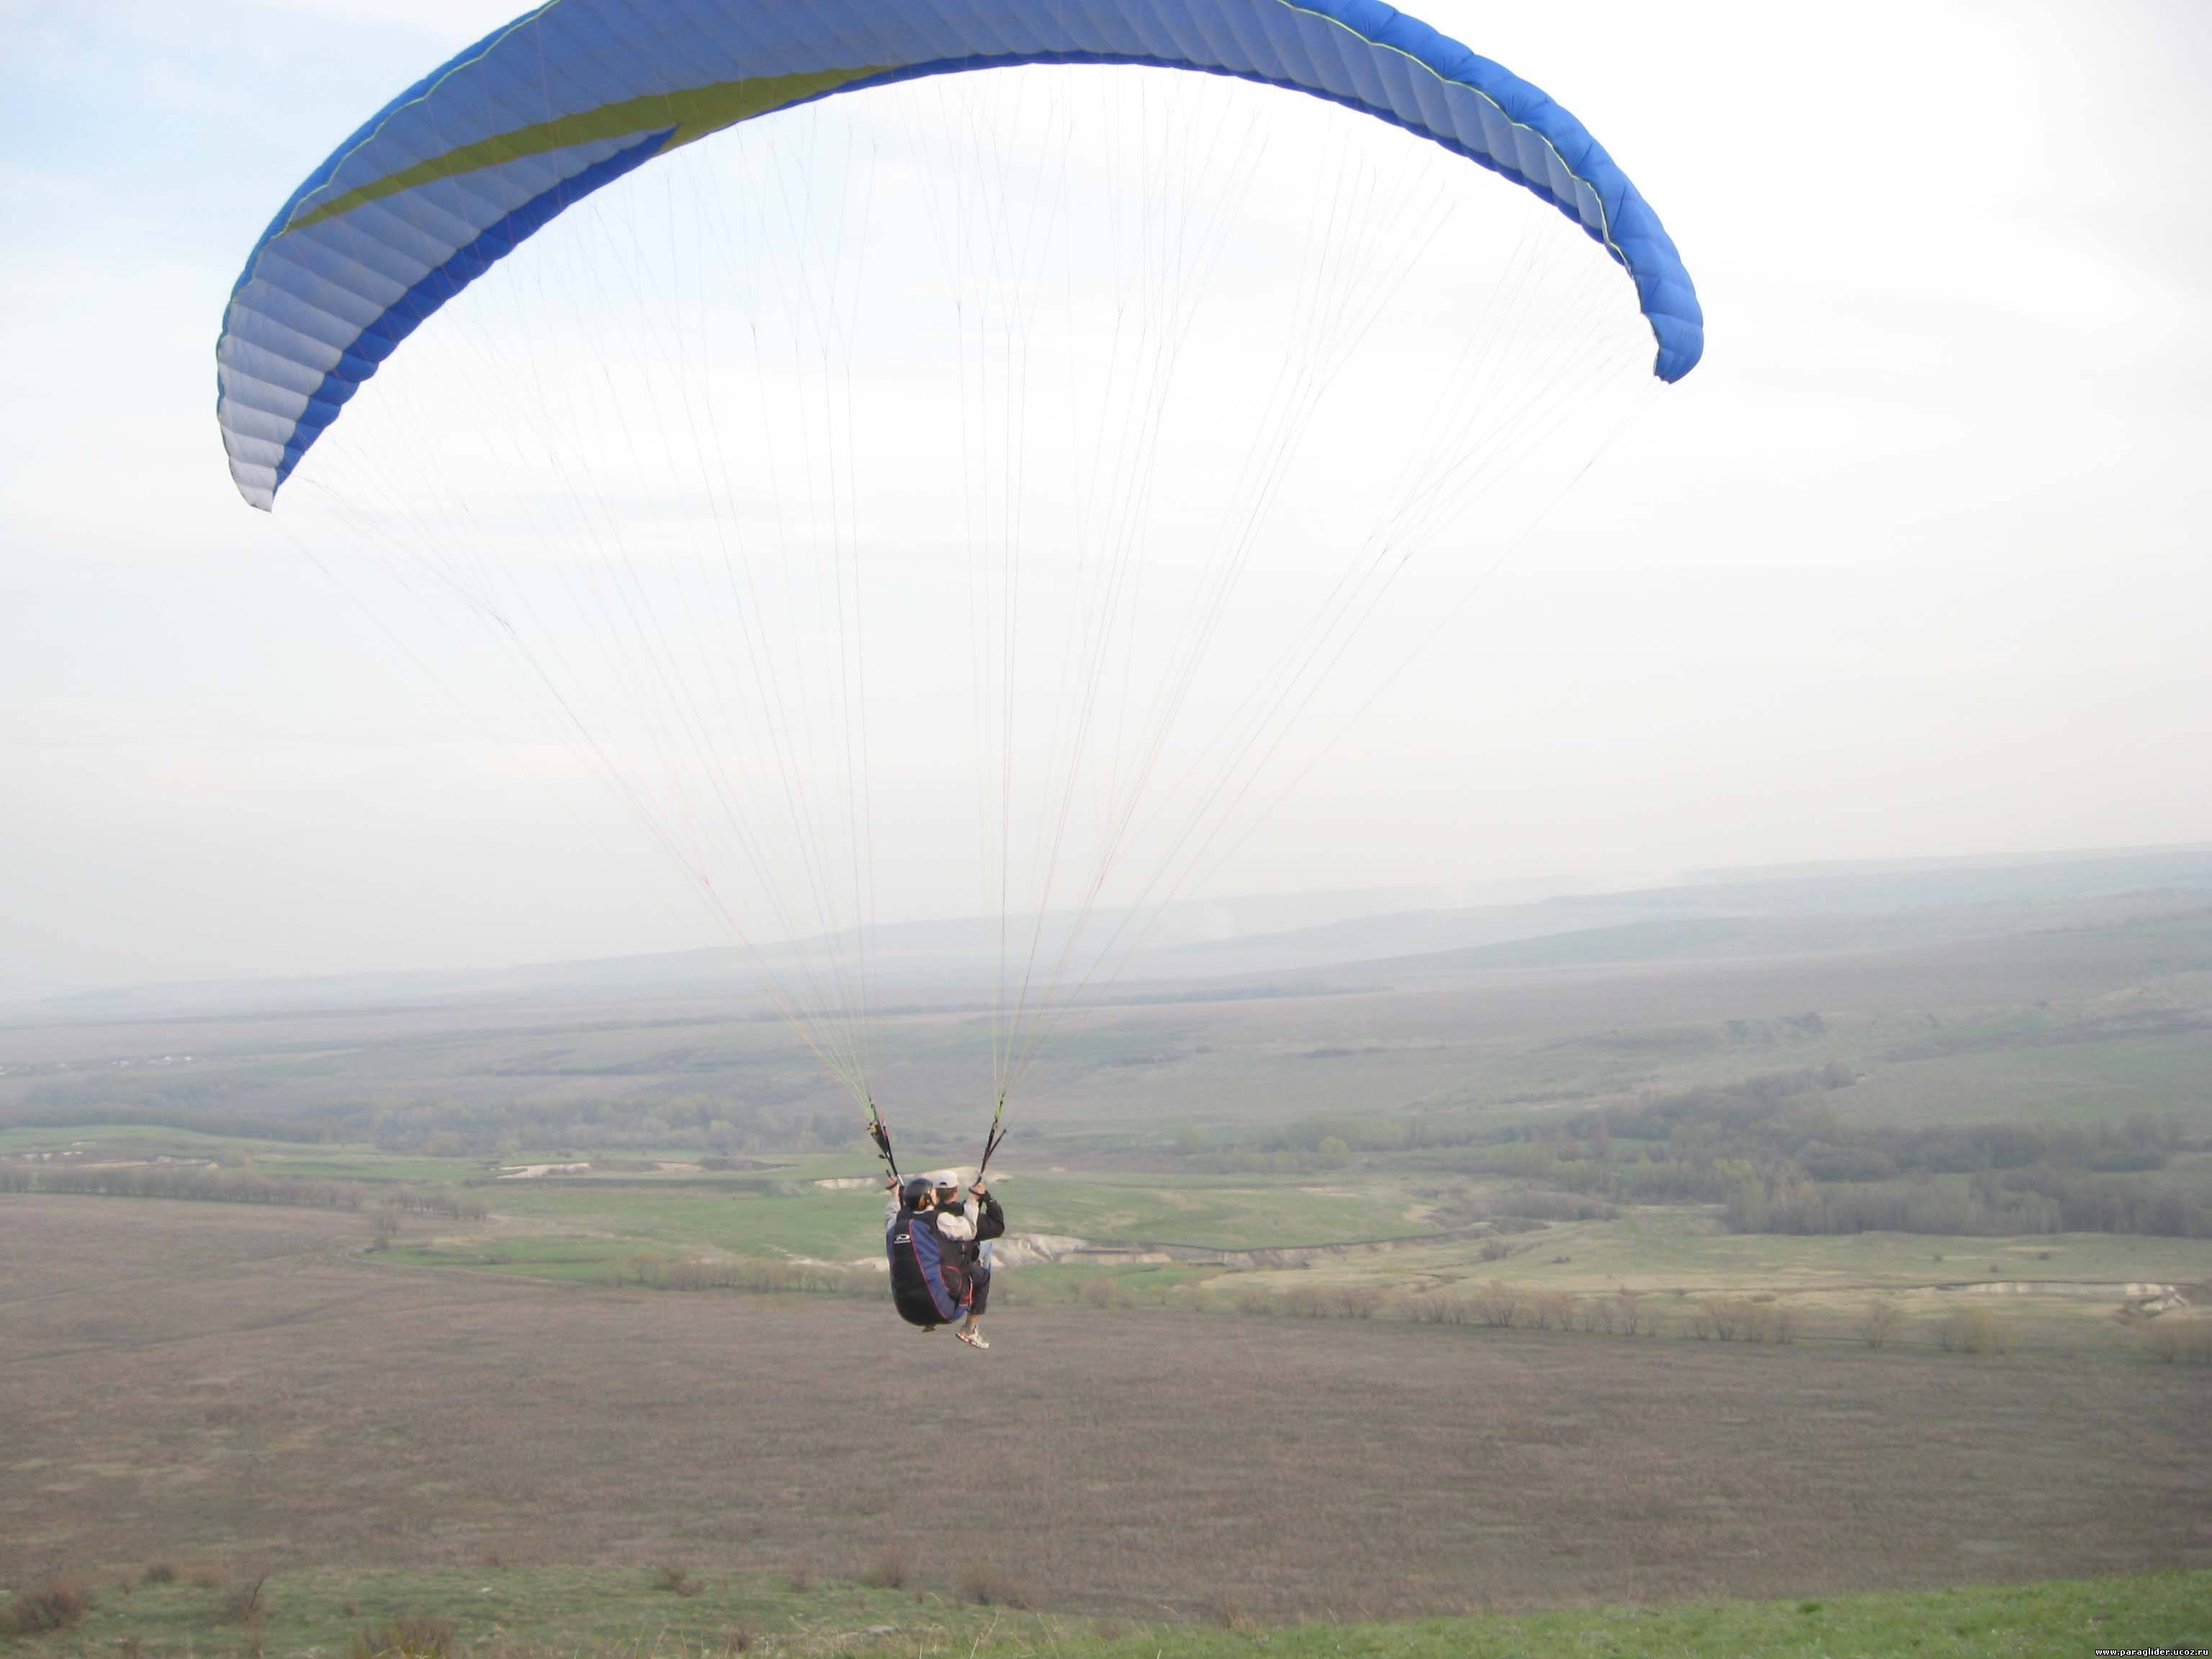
(916, 1188)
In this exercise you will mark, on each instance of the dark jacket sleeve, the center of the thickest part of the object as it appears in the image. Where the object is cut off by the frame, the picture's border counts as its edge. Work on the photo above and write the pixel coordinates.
(993, 1222)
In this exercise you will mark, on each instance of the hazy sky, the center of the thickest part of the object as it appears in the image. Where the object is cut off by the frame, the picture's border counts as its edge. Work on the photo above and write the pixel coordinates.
(1914, 563)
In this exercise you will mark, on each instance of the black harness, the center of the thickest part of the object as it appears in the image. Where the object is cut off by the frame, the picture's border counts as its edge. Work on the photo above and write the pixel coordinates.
(929, 1285)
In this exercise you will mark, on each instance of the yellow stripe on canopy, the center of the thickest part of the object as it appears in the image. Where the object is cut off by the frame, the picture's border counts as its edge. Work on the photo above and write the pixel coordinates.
(693, 112)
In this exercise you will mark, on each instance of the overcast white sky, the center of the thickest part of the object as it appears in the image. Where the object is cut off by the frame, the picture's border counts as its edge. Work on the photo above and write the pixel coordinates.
(1914, 563)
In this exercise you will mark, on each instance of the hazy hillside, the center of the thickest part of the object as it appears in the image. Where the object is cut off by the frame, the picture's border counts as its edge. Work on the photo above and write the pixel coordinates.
(1819, 908)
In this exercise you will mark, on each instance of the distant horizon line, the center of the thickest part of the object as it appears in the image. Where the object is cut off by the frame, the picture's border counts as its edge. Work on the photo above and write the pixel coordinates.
(84, 1000)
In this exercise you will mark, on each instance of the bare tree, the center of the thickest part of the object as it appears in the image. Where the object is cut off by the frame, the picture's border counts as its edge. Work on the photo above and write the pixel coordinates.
(1358, 1301)
(1497, 1304)
(1879, 1324)
(1628, 1309)
(1549, 1308)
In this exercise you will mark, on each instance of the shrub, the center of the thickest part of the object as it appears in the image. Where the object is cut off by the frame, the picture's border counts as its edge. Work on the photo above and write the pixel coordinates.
(799, 1576)
(1257, 1301)
(1547, 1309)
(1628, 1311)
(1434, 1309)
(1879, 1324)
(58, 1604)
(889, 1571)
(1359, 1301)
(766, 1278)
(986, 1586)
(1104, 1293)
(1735, 1319)
(1305, 1301)
(1971, 1330)
(1495, 1250)
(159, 1572)
(677, 1581)
(1233, 1613)
(241, 1603)
(410, 1636)
(1497, 1304)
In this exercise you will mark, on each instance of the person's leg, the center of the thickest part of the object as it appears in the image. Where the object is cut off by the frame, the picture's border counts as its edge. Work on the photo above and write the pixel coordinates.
(979, 1280)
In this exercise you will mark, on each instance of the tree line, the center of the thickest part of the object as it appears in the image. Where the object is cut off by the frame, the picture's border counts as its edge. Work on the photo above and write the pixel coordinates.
(1773, 1149)
(209, 1184)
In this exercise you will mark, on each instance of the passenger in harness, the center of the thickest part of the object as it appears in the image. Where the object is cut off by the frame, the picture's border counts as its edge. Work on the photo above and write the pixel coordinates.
(987, 1221)
(929, 1279)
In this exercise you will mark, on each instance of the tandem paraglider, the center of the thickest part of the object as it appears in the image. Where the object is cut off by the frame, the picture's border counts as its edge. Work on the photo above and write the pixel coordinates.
(939, 1248)
(699, 483)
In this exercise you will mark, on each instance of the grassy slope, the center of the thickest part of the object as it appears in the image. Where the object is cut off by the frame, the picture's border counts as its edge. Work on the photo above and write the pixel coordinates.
(741, 1218)
(576, 1612)
(1661, 1248)
(587, 1229)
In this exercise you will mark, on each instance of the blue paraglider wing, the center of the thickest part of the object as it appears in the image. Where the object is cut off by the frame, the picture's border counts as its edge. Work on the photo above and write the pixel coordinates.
(459, 169)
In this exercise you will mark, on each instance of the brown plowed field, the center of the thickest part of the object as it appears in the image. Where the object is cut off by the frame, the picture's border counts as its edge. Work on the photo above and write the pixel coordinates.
(182, 1379)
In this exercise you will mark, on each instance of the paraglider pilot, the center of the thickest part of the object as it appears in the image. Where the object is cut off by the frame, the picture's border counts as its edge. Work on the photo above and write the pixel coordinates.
(985, 1222)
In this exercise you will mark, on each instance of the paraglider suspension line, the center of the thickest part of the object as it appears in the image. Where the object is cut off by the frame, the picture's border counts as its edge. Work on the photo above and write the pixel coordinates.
(991, 1141)
(882, 1137)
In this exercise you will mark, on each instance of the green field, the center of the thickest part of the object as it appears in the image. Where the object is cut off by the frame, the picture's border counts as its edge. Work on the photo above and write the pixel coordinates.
(500, 1608)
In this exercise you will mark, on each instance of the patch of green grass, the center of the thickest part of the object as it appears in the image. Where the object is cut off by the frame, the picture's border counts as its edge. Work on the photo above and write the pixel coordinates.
(773, 1214)
(559, 1609)
(1233, 1214)
(365, 1163)
(599, 1611)
(739, 1217)
(1983, 1622)
(533, 1257)
(1654, 1246)
(136, 1140)
(276, 1159)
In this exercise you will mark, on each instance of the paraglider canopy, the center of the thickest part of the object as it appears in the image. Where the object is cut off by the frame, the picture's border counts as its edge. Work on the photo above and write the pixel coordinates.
(462, 166)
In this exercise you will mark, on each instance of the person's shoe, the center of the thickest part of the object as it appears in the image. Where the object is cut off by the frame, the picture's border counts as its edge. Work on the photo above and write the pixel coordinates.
(972, 1339)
